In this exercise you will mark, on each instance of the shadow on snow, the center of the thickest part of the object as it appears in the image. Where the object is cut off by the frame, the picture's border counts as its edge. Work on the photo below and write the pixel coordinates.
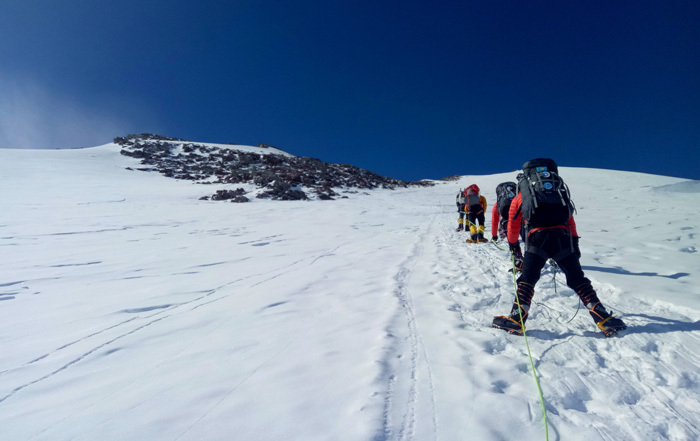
(624, 272)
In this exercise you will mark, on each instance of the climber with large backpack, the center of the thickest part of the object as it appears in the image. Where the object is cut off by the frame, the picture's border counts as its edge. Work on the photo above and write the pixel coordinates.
(505, 192)
(544, 203)
(462, 220)
(475, 207)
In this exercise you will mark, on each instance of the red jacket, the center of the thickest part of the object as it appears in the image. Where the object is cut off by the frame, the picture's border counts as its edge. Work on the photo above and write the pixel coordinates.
(515, 217)
(495, 218)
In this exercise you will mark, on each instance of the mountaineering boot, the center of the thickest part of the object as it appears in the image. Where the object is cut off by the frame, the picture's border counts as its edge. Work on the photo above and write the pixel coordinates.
(517, 255)
(518, 259)
(460, 228)
(605, 321)
(480, 234)
(518, 263)
(471, 241)
(512, 323)
(509, 324)
(472, 232)
(515, 322)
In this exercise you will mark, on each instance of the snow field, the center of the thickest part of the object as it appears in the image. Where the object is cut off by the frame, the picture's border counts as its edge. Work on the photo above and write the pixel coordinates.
(130, 309)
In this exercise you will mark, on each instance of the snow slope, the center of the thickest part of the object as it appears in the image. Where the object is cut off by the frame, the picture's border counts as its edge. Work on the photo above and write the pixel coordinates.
(241, 148)
(129, 309)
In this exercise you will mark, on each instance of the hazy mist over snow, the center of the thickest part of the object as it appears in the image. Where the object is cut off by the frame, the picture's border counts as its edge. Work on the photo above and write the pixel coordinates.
(32, 116)
(130, 309)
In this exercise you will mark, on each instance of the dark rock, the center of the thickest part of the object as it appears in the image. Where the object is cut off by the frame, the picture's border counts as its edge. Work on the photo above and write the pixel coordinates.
(279, 176)
(224, 195)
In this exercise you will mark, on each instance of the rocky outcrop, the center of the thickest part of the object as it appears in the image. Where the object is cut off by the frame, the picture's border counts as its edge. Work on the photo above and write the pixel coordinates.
(237, 195)
(270, 175)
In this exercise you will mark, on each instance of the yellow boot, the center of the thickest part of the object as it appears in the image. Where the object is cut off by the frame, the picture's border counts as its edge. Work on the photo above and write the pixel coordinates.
(480, 236)
(472, 231)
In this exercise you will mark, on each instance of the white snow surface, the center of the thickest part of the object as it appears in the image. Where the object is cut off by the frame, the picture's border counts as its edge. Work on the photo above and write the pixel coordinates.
(241, 148)
(130, 309)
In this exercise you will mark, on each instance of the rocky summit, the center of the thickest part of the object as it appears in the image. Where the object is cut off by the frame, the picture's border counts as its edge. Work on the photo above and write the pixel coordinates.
(264, 171)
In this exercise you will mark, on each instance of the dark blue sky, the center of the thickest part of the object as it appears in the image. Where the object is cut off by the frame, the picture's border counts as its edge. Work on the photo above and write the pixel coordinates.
(407, 89)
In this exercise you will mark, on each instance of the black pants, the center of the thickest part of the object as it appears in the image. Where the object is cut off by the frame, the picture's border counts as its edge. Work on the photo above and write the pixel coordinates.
(477, 231)
(553, 244)
(474, 217)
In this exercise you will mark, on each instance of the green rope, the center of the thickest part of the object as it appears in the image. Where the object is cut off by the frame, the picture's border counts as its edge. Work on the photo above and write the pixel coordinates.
(474, 225)
(555, 267)
(529, 354)
(498, 246)
(578, 304)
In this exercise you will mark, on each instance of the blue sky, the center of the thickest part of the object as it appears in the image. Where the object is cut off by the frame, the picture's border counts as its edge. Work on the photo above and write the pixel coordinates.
(407, 89)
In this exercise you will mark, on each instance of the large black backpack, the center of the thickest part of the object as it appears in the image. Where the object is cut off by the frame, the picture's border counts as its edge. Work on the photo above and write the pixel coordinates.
(505, 192)
(546, 198)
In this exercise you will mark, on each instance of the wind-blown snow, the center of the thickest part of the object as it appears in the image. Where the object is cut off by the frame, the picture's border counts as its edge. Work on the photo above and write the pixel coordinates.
(129, 309)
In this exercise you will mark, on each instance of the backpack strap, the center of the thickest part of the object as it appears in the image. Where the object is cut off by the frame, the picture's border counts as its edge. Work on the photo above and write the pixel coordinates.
(562, 254)
(533, 249)
(557, 257)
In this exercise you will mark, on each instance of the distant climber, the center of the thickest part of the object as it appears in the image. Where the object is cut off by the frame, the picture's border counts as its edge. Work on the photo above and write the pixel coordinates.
(475, 207)
(462, 219)
(505, 192)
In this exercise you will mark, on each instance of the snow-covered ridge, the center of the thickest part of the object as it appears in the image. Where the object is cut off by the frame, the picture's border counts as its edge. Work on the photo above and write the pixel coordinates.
(263, 171)
(148, 138)
(260, 150)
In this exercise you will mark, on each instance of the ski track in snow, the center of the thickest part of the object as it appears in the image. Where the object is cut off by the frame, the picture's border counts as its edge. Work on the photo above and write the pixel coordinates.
(407, 358)
(110, 335)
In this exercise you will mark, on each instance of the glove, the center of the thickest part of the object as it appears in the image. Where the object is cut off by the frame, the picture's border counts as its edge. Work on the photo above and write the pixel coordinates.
(515, 249)
(577, 250)
(517, 255)
(494, 238)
